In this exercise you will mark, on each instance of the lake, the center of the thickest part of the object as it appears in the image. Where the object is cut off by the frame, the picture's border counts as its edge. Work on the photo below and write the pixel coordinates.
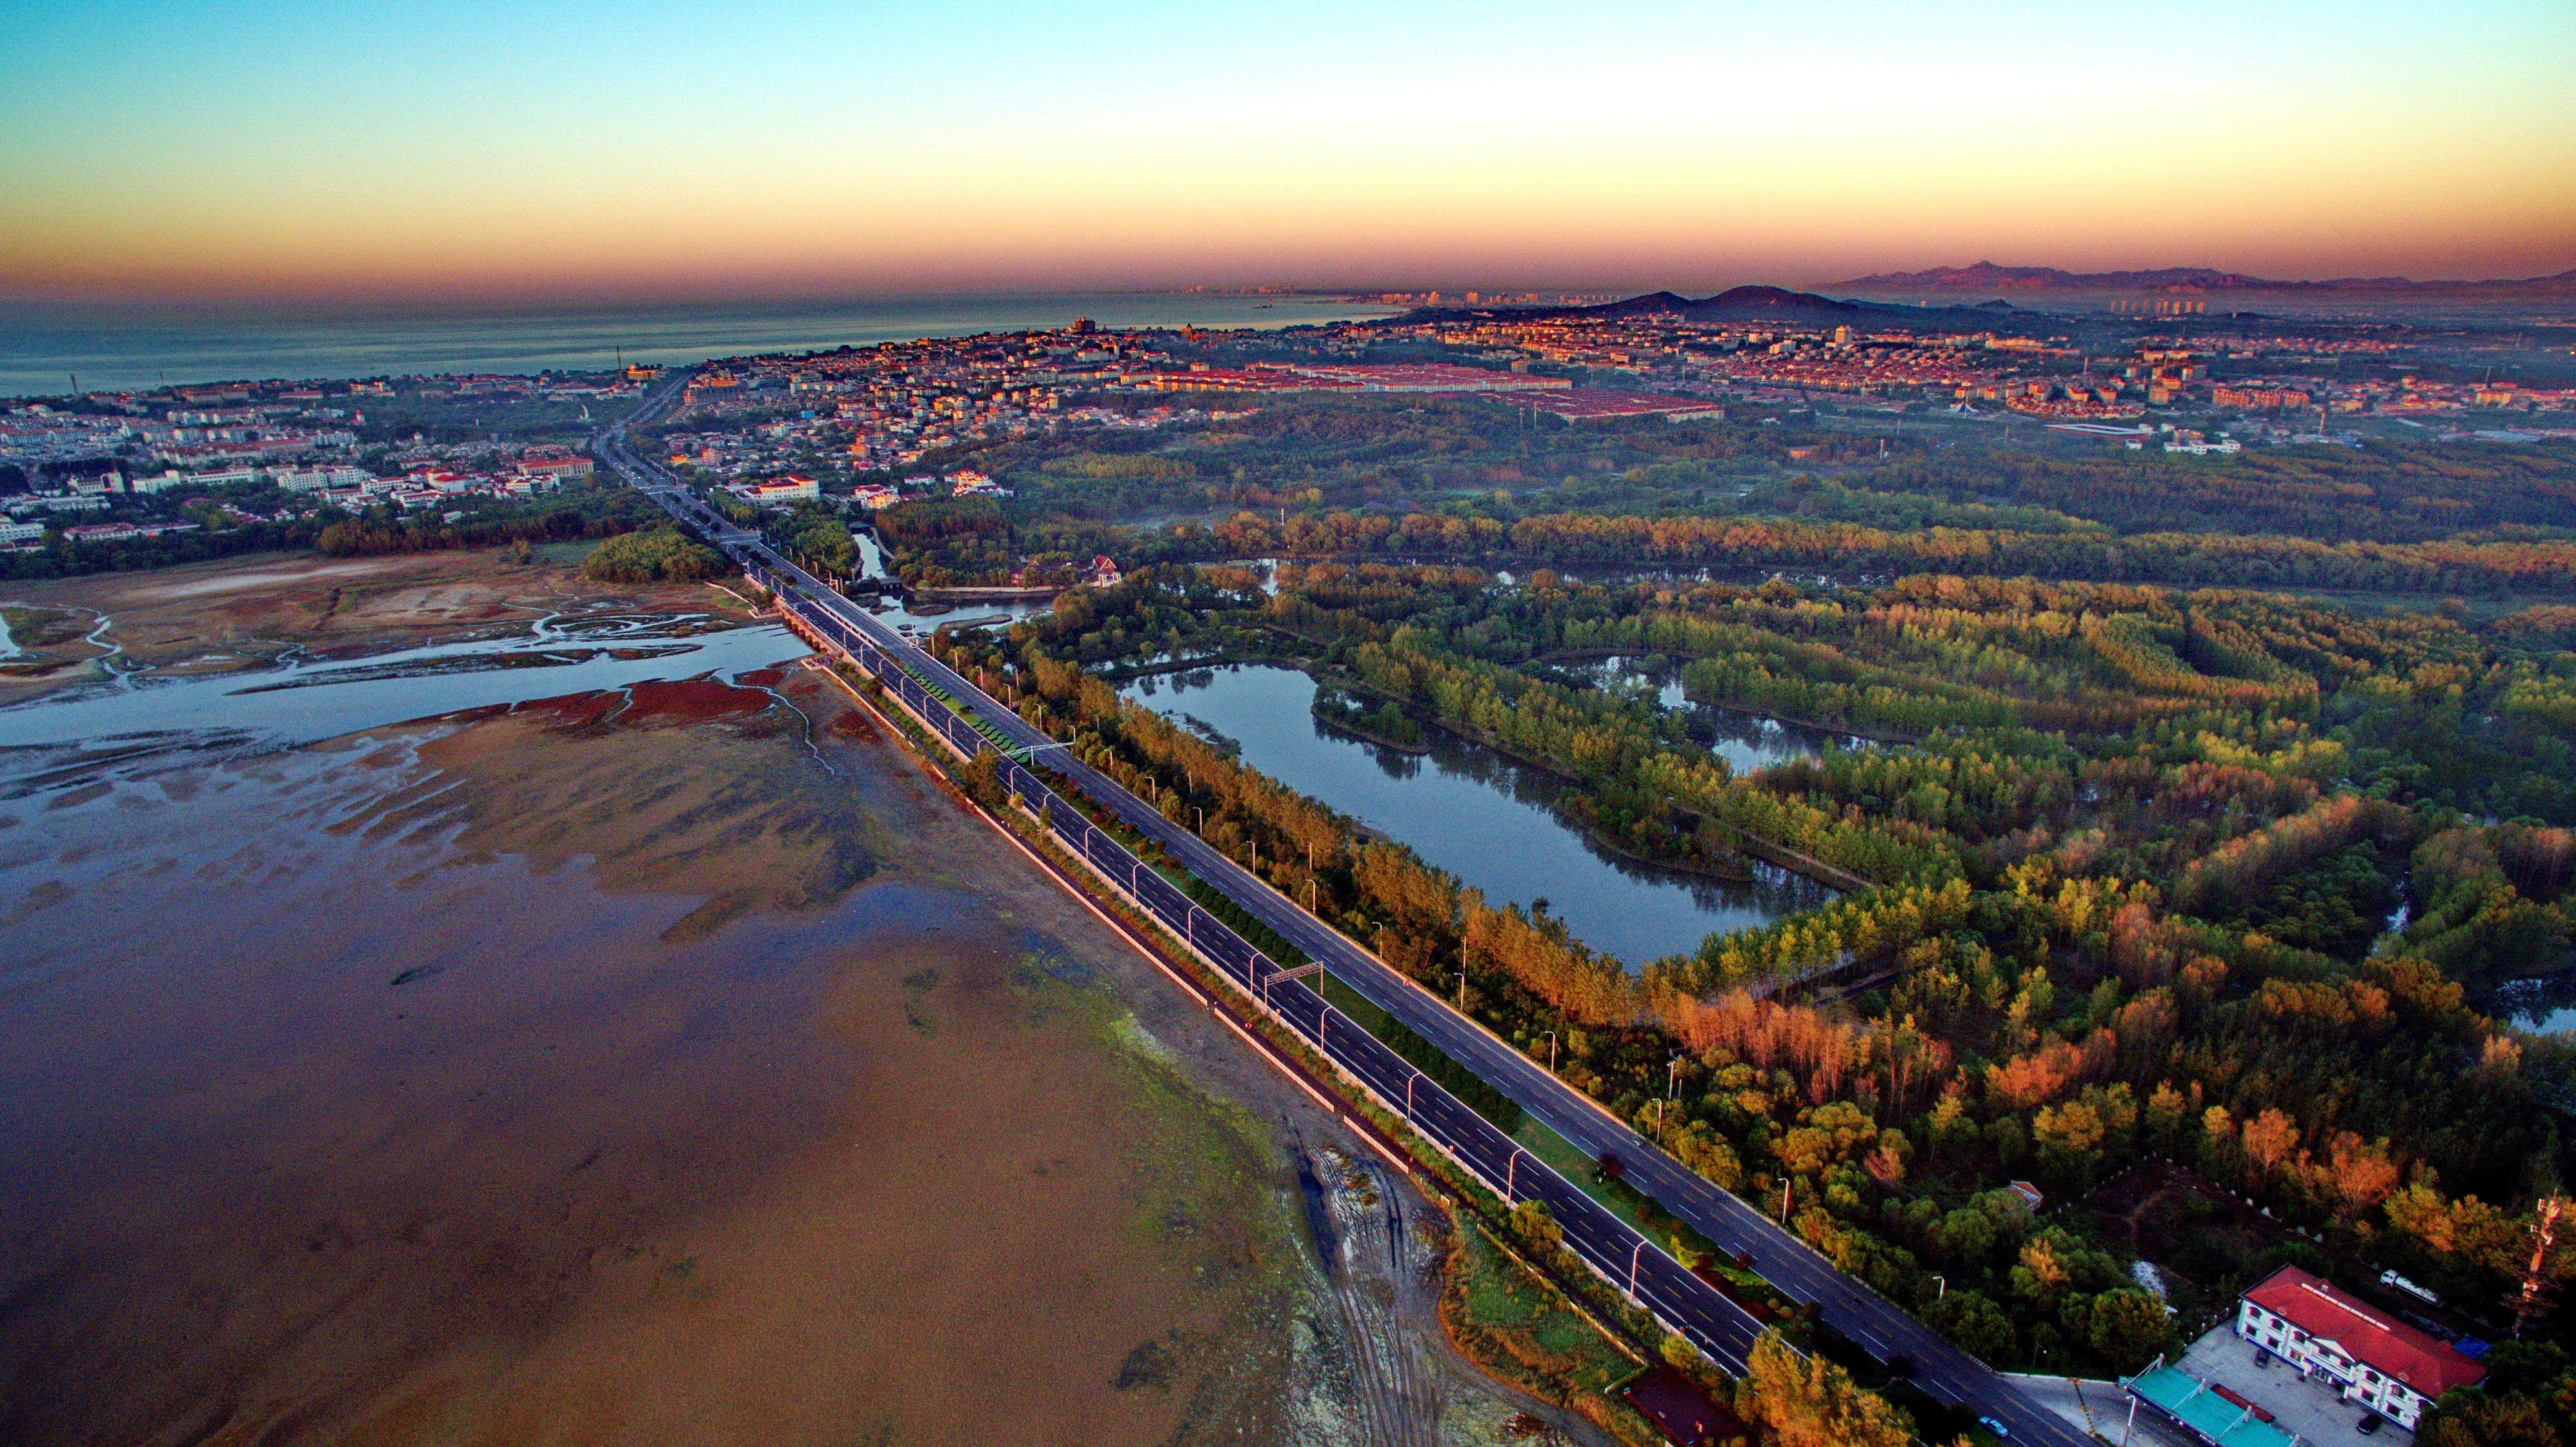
(1490, 821)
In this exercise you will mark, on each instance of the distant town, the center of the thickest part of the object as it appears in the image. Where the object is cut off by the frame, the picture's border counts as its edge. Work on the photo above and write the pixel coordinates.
(104, 468)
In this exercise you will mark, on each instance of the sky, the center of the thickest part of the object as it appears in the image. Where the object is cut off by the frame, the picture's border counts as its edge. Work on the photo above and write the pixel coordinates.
(496, 152)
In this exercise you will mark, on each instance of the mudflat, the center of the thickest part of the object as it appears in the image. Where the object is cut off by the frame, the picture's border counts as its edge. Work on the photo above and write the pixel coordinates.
(673, 1064)
(238, 613)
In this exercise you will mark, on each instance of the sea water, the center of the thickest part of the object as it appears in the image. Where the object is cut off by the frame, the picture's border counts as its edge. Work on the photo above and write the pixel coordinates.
(112, 347)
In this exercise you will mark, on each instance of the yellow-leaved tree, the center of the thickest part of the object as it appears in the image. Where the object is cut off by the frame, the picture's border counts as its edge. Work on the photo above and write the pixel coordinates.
(1810, 1402)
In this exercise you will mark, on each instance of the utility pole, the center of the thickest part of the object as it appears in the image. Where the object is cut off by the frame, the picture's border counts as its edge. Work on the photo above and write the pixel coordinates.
(2535, 1286)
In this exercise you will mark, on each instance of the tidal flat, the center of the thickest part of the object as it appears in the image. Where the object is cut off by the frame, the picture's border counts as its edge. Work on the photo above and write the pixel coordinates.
(664, 1063)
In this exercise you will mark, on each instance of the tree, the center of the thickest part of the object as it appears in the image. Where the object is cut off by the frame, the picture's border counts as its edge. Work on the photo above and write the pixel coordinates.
(2129, 1328)
(1964, 1236)
(1810, 1402)
(659, 556)
(2041, 1274)
(1974, 1322)
(2470, 1418)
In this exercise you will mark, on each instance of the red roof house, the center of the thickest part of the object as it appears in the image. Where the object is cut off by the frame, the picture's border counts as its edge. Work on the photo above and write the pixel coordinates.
(2379, 1361)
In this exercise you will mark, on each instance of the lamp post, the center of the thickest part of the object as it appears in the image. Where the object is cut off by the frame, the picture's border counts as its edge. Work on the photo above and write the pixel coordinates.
(1940, 1287)
(1633, 1256)
(1551, 1052)
(1462, 992)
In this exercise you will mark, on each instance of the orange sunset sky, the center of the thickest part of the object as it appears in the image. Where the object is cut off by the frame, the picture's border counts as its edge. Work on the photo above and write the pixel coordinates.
(651, 150)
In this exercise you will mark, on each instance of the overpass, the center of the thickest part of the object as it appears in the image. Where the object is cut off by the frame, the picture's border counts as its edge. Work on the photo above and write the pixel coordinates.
(972, 721)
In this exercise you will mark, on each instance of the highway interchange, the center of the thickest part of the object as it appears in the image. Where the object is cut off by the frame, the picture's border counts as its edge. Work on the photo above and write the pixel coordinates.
(1684, 1302)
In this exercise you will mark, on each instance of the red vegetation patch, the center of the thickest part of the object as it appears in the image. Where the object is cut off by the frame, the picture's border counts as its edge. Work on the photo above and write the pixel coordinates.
(761, 678)
(1680, 1410)
(690, 699)
(575, 710)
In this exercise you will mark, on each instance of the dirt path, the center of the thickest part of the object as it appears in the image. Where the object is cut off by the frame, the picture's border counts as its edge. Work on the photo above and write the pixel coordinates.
(1407, 1385)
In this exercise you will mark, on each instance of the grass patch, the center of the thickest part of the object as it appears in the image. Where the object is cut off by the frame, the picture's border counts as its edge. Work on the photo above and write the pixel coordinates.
(1523, 1332)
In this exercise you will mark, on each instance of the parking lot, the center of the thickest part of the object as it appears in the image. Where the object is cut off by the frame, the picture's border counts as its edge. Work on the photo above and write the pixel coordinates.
(2310, 1409)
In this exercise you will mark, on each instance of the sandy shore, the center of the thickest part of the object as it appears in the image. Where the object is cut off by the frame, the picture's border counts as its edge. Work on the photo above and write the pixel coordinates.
(664, 1067)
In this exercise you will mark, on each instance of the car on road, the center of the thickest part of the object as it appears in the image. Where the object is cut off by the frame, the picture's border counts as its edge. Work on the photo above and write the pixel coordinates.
(2369, 1423)
(1991, 1425)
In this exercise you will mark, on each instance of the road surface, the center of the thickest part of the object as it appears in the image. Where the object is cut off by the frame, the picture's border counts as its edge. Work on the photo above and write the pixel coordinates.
(1684, 1302)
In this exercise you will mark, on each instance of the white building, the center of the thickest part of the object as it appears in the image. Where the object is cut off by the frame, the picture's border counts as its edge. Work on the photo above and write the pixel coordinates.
(2369, 1356)
(315, 479)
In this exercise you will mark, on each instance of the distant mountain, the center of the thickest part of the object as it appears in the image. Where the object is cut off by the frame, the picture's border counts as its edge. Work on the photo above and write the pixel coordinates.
(1756, 304)
(1987, 277)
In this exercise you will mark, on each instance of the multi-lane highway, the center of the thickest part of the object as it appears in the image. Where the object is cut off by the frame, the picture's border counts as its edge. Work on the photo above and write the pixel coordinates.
(1684, 1302)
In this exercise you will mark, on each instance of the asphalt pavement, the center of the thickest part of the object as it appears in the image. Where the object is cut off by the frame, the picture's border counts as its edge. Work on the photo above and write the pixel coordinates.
(1682, 1300)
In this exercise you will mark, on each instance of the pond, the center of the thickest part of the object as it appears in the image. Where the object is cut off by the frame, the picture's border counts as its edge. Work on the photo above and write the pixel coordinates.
(1748, 742)
(1493, 823)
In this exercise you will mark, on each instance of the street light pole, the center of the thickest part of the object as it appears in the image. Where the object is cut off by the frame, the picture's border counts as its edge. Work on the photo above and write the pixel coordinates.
(1462, 992)
(1551, 1052)
(1408, 1096)
(1633, 1257)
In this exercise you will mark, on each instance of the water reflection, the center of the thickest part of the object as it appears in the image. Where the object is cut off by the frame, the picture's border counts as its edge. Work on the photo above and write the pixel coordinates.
(1748, 742)
(1493, 823)
(2545, 1006)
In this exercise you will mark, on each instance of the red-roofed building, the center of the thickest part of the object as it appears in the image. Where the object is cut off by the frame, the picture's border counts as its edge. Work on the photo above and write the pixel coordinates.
(2377, 1360)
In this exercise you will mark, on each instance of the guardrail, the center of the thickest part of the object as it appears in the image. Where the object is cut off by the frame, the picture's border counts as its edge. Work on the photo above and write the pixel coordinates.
(1623, 1257)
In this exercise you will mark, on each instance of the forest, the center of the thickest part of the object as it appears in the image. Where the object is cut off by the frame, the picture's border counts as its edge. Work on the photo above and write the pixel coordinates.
(2203, 830)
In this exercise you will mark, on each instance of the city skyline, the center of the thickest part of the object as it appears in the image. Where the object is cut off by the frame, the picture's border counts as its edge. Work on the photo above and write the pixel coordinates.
(473, 154)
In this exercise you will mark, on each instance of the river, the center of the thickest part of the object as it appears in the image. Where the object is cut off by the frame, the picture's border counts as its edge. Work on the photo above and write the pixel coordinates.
(1490, 821)
(302, 702)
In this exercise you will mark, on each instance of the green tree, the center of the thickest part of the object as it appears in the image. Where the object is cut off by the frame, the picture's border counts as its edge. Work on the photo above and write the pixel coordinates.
(2128, 1328)
(2470, 1418)
(1974, 1323)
